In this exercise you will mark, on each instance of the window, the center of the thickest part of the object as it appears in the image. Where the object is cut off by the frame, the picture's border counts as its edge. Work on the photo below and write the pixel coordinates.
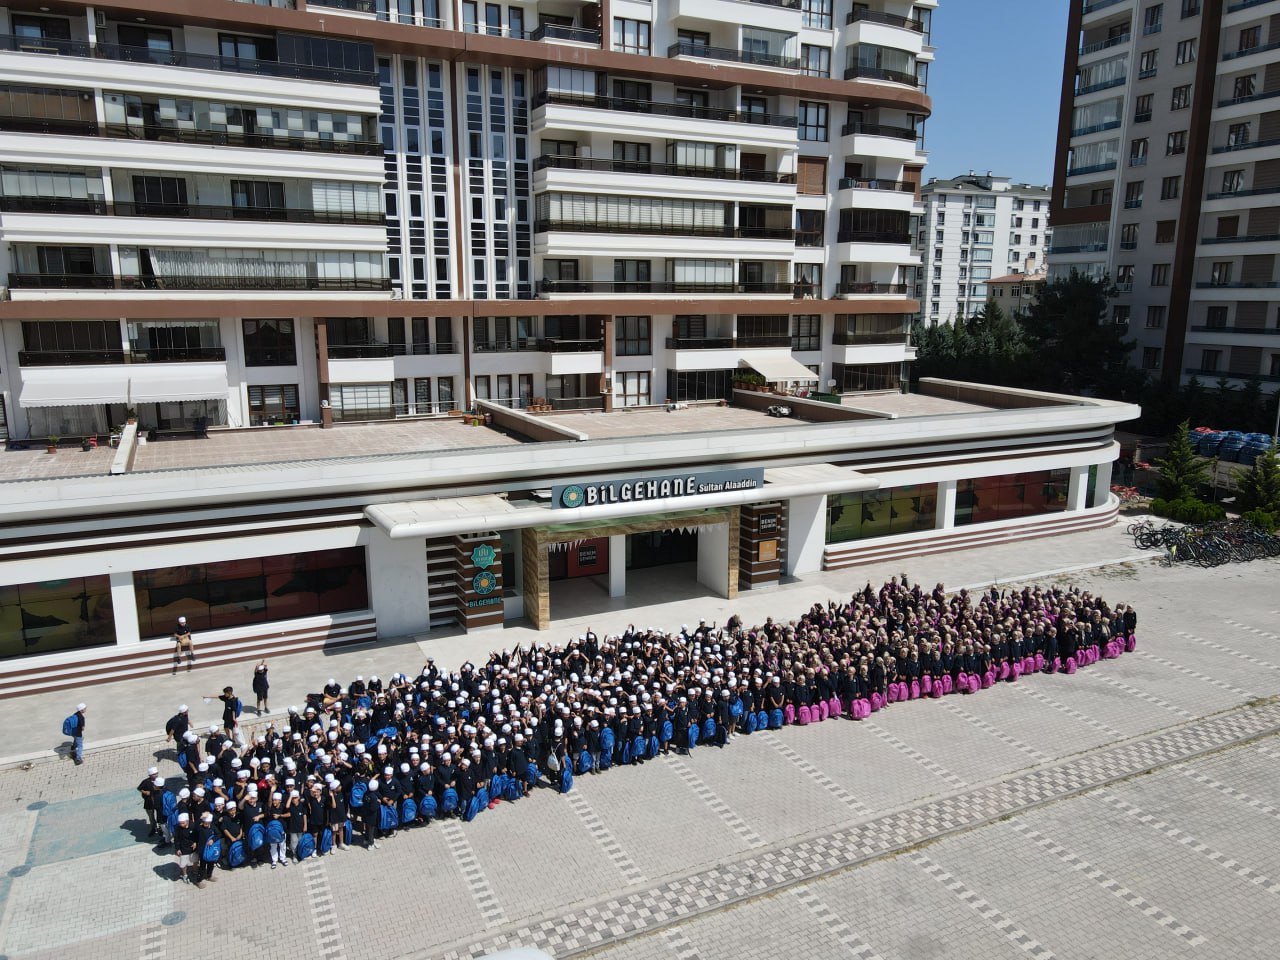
(1124, 276)
(937, 254)
(1147, 64)
(1160, 274)
(1238, 134)
(1181, 98)
(1129, 236)
(632, 388)
(1120, 315)
(815, 61)
(1242, 87)
(1153, 19)
(259, 197)
(1220, 273)
(1142, 108)
(811, 176)
(1015, 238)
(1155, 317)
(811, 228)
(1216, 317)
(817, 13)
(1190, 8)
(880, 513)
(1133, 194)
(1138, 152)
(1228, 226)
(631, 336)
(1209, 360)
(1175, 143)
(1275, 365)
(160, 196)
(631, 36)
(812, 120)
(274, 404)
(1150, 358)
(1165, 230)
(1250, 37)
(57, 615)
(1169, 188)
(1186, 52)
(806, 332)
(1232, 181)
(269, 343)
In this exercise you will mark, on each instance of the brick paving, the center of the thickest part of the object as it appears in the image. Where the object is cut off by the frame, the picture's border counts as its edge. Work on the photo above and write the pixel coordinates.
(1126, 811)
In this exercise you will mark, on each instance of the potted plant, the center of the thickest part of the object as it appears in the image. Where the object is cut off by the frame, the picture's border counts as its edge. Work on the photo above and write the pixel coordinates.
(52, 443)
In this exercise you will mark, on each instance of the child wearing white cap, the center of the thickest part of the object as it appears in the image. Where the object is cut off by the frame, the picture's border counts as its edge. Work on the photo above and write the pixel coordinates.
(182, 643)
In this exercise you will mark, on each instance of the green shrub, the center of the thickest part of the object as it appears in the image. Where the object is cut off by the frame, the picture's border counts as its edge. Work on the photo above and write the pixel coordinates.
(1188, 511)
(1264, 521)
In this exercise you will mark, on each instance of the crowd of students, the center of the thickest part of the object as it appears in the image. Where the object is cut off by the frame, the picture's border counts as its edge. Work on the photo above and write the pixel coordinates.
(375, 757)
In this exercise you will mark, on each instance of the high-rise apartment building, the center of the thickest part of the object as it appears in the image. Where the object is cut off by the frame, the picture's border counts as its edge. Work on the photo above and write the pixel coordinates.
(976, 227)
(242, 213)
(1168, 178)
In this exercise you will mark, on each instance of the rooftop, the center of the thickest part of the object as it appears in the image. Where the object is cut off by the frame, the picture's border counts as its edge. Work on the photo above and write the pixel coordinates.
(904, 405)
(655, 421)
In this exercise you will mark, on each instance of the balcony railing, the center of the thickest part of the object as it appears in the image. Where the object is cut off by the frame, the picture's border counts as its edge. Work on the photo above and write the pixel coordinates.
(1264, 95)
(163, 134)
(1098, 5)
(1104, 85)
(889, 19)
(75, 358)
(664, 230)
(356, 6)
(1106, 44)
(1261, 48)
(848, 338)
(788, 4)
(1098, 246)
(1232, 375)
(1092, 168)
(1247, 145)
(556, 31)
(860, 72)
(877, 130)
(518, 345)
(559, 162)
(849, 288)
(1231, 331)
(576, 403)
(57, 48)
(51, 127)
(558, 345)
(726, 343)
(360, 351)
(892, 186)
(1143, 117)
(77, 205)
(1243, 238)
(872, 236)
(662, 286)
(1257, 191)
(1238, 285)
(105, 281)
(1097, 128)
(810, 238)
(206, 61)
(686, 48)
(204, 211)
(1245, 5)
(657, 108)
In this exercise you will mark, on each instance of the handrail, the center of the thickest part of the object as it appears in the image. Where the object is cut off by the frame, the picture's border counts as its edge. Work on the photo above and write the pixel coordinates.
(562, 162)
(666, 230)
(658, 108)
(877, 130)
(688, 48)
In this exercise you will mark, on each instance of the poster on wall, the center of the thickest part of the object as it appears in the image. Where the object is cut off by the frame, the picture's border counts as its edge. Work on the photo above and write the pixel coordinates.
(768, 550)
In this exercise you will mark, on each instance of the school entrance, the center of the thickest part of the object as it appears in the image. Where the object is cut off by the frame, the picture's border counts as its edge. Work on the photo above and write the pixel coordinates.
(574, 569)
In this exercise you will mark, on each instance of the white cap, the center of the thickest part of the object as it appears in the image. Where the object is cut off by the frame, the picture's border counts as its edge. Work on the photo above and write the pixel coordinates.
(157, 782)
(153, 770)
(183, 708)
(182, 619)
(80, 708)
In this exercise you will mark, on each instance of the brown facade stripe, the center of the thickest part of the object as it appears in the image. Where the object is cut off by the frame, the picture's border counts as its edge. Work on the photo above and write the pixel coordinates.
(1184, 254)
(1066, 103)
(1093, 213)
(143, 519)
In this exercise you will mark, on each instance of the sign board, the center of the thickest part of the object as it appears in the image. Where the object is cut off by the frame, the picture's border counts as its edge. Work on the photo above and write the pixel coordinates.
(588, 555)
(641, 489)
(484, 602)
(767, 523)
(767, 550)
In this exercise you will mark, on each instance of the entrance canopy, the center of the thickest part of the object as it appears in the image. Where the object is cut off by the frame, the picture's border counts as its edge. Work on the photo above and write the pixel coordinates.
(778, 365)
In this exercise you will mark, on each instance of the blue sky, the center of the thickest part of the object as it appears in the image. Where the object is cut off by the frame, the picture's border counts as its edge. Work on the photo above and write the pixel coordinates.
(995, 87)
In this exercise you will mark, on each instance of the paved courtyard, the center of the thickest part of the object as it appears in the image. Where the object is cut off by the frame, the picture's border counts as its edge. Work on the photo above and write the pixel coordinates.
(1128, 811)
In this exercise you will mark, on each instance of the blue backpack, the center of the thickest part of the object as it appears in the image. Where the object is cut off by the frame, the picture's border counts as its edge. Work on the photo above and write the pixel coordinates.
(236, 854)
(212, 851)
(408, 810)
(346, 832)
(365, 702)
(532, 774)
(637, 748)
(737, 709)
(751, 723)
(257, 835)
(427, 807)
(473, 809)
(762, 720)
(654, 746)
(693, 735)
(606, 741)
(511, 790)
(449, 800)
(483, 796)
(584, 762)
(239, 708)
(566, 780)
(168, 804)
(306, 846)
(69, 726)
(388, 819)
(775, 720)
(708, 729)
(182, 759)
(275, 831)
(668, 731)
(358, 790)
(626, 752)
(326, 840)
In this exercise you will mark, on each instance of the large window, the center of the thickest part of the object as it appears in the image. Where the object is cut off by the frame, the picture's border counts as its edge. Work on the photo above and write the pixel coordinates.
(269, 343)
(631, 336)
(71, 341)
(274, 404)
(631, 36)
(812, 120)
(632, 388)
(881, 513)
(1013, 495)
(38, 618)
(683, 385)
(259, 590)
(806, 332)
(862, 377)
(817, 13)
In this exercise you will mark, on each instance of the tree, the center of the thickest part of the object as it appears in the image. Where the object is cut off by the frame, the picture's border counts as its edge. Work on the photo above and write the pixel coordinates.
(1070, 334)
(1259, 489)
(1181, 471)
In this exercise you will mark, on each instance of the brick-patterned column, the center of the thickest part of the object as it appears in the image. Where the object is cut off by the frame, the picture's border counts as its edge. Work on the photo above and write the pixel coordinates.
(731, 558)
(759, 553)
(476, 557)
(537, 588)
(322, 371)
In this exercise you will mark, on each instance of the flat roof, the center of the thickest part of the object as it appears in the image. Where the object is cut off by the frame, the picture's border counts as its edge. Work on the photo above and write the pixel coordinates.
(905, 405)
(655, 421)
(35, 464)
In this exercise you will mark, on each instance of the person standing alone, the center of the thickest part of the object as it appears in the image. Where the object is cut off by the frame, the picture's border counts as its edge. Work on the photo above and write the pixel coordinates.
(73, 727)
(261, 686)
(182, 643)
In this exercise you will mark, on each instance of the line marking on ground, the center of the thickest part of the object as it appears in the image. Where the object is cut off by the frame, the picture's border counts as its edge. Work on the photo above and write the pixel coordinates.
(712, 800)
(932, 766)
(818, 777)
(477, 882)
(605, 838)
(324, 914)
(837, 927)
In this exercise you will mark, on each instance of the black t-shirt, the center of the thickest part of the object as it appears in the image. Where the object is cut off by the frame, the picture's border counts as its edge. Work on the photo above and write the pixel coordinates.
(228, 709)
(184, 839)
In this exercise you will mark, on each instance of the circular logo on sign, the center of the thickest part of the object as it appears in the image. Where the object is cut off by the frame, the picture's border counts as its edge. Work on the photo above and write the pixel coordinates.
(483, 556)
(484, 583)
(572, 496)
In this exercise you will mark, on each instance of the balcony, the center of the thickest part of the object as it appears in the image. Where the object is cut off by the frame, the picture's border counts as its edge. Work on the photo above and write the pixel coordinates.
(206, 61)
(570, 346)
(557, 162)
(856, 288)
(1106, 44)
(360, 351)
(686, 48)
(613, 226)
(105, 281)
(1245, 5)
(1104, 85)
(57, 48)
(1231, 375)
(860, 72)
(1247, 145)
(726, 343)
(872, 236)
(1092, 168)
(1256, 192)
(354, 6)
(549, 287)
(1099, 127)
(50, 127)
(1099, 246)
(186, 211)
(1238, 285)
(1261, 48)
(660, 109)
(849, 338)
(1099, 5)
(61, 281)
(520, 345)
(1233, 331)
(1265, 95)
(556, 31)
(888, 19)
(892, 186)
(75, 358)
(218, 138)
(1244, 238)
(877, 130)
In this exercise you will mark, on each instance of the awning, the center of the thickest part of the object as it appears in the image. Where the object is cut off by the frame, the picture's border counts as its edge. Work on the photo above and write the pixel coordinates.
(170, 386)
(73, 386)
(777, 365)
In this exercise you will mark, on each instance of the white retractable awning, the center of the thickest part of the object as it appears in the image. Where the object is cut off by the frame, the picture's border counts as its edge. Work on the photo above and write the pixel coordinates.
(169, 386)
(73, 386)
(777, 365)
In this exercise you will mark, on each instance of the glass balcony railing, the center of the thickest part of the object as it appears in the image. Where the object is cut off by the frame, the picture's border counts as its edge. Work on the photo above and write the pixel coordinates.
(658, 108)
(686, 48)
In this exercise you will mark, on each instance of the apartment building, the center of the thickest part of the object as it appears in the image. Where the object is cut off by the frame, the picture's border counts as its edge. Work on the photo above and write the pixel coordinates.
(975, 227)
(1167, 178)
(245, 213)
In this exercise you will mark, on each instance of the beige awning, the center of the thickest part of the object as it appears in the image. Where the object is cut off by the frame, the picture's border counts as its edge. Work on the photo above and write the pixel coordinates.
(777, 365)
(74, 386)
(198, 382)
